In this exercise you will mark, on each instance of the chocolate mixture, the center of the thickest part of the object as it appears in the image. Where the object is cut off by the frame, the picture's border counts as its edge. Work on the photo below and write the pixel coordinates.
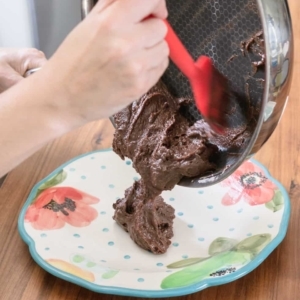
(164, 147)
(255, 45)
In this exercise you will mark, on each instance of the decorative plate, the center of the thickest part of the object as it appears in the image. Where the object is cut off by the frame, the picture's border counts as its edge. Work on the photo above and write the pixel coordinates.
(221, 232)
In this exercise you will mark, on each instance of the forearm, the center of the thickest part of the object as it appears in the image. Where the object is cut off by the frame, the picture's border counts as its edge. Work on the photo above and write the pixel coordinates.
(28, 120)
(99, 69)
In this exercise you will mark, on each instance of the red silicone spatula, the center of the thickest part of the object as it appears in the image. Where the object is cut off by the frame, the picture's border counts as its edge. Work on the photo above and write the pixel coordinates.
(208, 85)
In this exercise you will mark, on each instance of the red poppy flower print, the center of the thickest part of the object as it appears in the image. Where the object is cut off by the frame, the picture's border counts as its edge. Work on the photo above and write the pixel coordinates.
(248, 183)
(59, 205)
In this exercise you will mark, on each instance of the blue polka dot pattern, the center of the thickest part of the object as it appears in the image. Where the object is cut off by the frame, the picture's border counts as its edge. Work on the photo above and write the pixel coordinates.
(72, 169)
(234, 222)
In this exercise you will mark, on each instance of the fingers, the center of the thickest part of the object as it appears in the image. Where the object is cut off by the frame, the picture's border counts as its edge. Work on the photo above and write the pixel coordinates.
(144, 69)
(148, 79)
(8, 78)
(139, 64)
(150, 32)
(145, 35)
(160, 11)
(22, 60)
(31, 59)
(156, 73)
(137, 10)
(156, 55)
(15, 62)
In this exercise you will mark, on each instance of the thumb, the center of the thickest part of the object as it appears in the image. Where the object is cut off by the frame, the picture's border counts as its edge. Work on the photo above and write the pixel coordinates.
(8, 78)
(33, 63)
(27, 59)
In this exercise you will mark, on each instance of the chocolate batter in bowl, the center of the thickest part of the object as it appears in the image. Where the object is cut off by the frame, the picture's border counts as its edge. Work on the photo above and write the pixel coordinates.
(245, 39)
(251, 43)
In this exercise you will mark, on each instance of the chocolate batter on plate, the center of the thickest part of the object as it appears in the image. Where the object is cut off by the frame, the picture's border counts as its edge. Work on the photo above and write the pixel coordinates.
(164, 147)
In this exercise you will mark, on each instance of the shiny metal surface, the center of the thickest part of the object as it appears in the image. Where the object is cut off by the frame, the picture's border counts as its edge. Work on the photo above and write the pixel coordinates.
(279, 43)
(31, 71)
(86, 7)
(279, 50)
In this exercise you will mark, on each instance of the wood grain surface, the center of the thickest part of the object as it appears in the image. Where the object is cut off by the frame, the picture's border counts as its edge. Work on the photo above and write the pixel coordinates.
(277, 278)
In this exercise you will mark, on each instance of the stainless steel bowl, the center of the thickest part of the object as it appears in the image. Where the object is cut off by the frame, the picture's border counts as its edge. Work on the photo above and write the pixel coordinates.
(273, 17)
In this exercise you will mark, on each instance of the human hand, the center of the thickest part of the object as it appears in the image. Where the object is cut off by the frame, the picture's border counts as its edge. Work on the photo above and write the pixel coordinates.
(15, 62)
(110, 59)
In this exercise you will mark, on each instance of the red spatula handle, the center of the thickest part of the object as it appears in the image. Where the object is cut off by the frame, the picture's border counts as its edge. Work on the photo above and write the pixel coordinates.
(178, 53)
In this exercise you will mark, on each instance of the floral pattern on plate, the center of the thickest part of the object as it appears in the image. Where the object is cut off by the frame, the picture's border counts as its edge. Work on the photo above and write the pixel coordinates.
(56, 206)
(221, 232)
(248, 183)
(226, 255)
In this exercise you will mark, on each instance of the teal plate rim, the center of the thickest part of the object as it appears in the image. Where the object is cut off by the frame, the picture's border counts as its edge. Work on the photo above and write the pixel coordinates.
(155, 293)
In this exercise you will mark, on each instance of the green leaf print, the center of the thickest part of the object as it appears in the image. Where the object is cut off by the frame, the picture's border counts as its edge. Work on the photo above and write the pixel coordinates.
(276, 203)
(221, 244)
(53, 181)
(110, 274)
(186, 262)
(195, 273)
(78, 258)
(253, 244)
(91, 264)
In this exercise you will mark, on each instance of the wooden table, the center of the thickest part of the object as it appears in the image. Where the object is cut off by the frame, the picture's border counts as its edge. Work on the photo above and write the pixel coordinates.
(277, 278)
